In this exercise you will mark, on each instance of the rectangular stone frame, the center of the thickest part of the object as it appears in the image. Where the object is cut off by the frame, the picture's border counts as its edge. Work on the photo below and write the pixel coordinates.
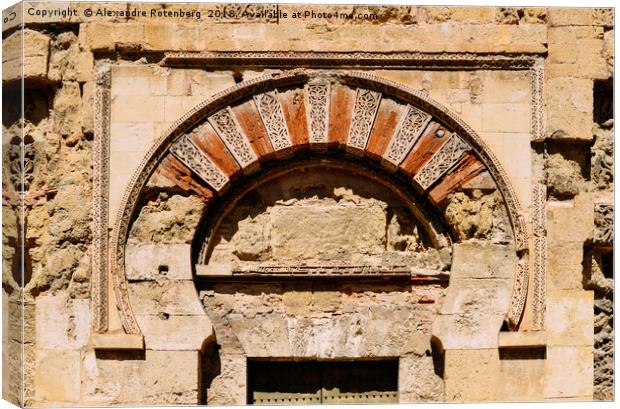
(101, 303)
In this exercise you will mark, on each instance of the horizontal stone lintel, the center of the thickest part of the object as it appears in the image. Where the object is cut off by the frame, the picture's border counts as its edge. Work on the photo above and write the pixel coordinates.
(530, 339)
(116, 341)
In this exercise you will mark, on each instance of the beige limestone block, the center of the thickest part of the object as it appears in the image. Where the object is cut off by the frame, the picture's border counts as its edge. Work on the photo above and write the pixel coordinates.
(319, 231)
(229, 386)
(163, 377)
(570, 16)
(172, 297)
(57, 376)
(137, 108)
(418, 381)
(176, 106)
(125, 82)
(577, 213)
(506, 117)
(186, 37)
(262, 336)
(101, 379)
(569, 319)
(88, 123)
(569, 108)
(155, 261)
(472, 115)
(104, 36)
(35, 55)
(209, 83)
(565, 266)
(62, 323)
(509, 87)
(480, 259)
(178, 83)
(521, 377)
(569, 372)
(175, 332)
(471, 375)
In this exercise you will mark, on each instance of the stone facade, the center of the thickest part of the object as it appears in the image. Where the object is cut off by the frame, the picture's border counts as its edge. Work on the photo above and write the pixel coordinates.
(427, 184)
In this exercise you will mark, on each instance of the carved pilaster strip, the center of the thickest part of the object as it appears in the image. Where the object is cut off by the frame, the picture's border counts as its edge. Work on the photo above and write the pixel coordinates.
(230, 132)
(519, 293)
(317, 101)
(199, 163)
(364, 112)
(539, 229)
(408, 131)
(271, 113)
(446, 157)
(537, 79)
(101, 182)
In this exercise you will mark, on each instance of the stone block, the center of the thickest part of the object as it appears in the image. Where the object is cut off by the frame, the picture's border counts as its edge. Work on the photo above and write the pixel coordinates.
(471, 375)
(570, 16)
(481, 259)
(229, 387)
(62, 323)
(569, 108)
(175, 332)
(172, 297)
(57, 376)
(466, 331)
(565, 266)
(506, 117)
(578, 213)
(105, 36)
(101, 382)
(522, 376)
(482, 296)
(88, 122)
(162, 378)
(35, 55)
(569, 317)
(137, 108)
(418, 381)
(156, 261)
(569, 372)
(262, 336)
(173, 37)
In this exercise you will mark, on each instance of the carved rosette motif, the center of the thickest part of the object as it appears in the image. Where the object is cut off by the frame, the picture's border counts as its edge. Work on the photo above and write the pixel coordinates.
(228, 129)
(317, 101)
(539, 229)
(409, 130)
(188, 153)
(271, 113)
(603, 224)
(366, 106)
(446, 157)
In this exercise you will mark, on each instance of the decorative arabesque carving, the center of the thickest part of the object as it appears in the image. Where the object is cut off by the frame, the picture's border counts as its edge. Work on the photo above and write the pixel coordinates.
(188, 153)
(603, 224)
(446, 157)
(317, 101)
(101, 183)
(297, 76)
(271, 113)
(539, 230)
(409, 130)
(366, 106)
(226, 126)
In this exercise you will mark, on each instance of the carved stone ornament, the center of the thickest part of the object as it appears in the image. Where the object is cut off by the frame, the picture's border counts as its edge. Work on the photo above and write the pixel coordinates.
(271, 113)
(603, 224)
(366, 106)
(317, 101)
(199, 163)
(409, 130)
(446, 157)
(370, 89)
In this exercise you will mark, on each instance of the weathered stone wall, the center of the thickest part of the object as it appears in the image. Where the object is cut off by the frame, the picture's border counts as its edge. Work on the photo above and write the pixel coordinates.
(570, 161)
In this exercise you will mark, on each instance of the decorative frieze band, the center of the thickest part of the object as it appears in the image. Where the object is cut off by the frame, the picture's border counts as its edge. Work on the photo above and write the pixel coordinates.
(408, 131)
(230, 132)
(366, 106)
(539, 229)
(271, 113)
(446, 157)
(317, 101)
(188, 153)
